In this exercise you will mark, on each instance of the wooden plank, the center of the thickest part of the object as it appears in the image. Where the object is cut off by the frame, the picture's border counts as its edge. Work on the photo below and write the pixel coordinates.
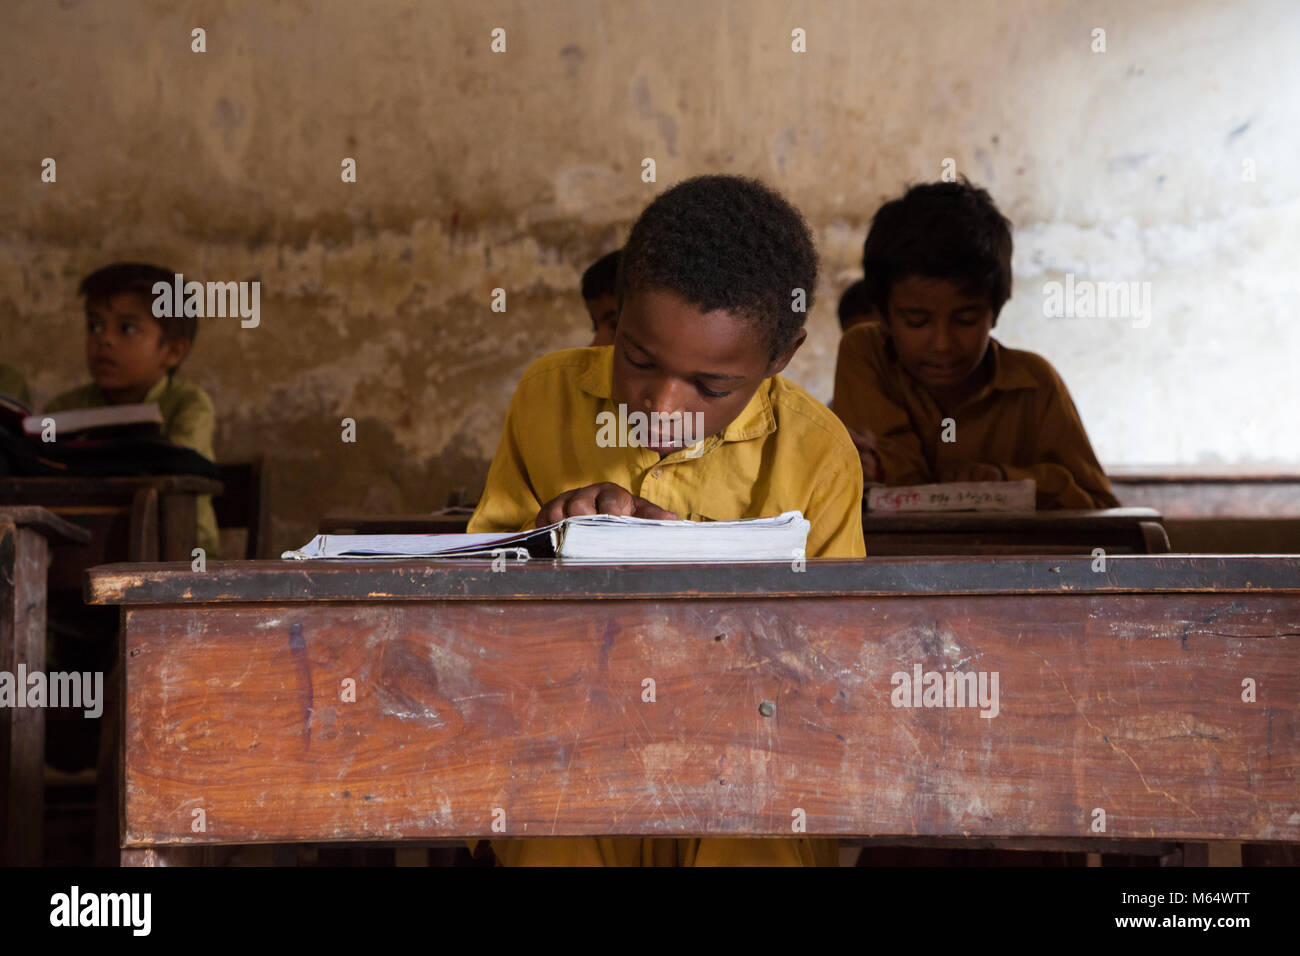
(1114, 530)
(47, 524)
(534, 710)
(81, 489)
(1037, 522)
(394, 524)
(328, 580)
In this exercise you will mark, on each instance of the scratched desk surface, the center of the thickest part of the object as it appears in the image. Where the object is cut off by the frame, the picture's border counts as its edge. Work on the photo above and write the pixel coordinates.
(377, 701)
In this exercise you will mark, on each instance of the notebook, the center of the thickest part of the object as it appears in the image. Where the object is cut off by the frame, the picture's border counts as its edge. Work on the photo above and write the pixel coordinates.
(606, 538)
(141, 417)
(954, 496)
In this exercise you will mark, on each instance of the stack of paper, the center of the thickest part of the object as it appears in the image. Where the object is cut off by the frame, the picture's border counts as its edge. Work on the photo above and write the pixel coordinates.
(590, 538)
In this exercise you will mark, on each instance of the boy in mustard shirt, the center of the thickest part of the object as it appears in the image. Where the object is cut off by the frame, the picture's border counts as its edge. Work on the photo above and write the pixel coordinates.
(928, 395)
(132, 357)
(711, 277)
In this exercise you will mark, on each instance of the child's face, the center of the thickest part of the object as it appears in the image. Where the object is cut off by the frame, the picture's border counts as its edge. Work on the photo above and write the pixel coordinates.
(604, 318)
(124, 349)
(940, 330)
(671, 357)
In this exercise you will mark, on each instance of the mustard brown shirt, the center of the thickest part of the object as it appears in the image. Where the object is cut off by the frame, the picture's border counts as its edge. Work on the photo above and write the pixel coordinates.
(1023, 420)
(784, 452)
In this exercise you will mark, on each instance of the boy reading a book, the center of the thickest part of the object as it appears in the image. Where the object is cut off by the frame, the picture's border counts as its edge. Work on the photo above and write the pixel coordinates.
(928, 395)
(132, 357)
(600, 297)
(710, 278)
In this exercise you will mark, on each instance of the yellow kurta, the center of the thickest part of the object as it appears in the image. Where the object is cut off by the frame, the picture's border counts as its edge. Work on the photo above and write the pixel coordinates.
(1023, 420)
(188, 420)
(784, 452)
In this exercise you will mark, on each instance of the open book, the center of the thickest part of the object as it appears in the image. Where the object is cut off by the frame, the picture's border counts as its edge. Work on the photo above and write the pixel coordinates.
(954, 496)
(588, 537)
(142, 416)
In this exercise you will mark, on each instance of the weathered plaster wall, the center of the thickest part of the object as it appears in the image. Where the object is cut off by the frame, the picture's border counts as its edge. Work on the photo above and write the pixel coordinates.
(478, 170)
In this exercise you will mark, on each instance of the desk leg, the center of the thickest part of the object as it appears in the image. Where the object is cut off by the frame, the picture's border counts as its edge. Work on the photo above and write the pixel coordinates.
(167, 856)
(108, 769)
(1196, 854)
(179, 522)
(24, 565)
(142, 544)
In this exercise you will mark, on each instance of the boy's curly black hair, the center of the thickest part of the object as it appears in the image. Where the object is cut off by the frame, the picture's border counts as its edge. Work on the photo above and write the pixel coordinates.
(726, 242)
(855, 300)
(940, 231)
(139, 278)
(601, 277)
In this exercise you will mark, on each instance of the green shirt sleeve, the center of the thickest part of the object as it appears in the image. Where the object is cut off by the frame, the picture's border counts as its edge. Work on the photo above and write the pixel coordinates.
(14, 385)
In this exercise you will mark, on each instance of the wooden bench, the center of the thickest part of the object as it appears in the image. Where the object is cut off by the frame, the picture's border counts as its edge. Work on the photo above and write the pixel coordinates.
(520, 699)
(27, 535)
(1114, 530)
(146, 518)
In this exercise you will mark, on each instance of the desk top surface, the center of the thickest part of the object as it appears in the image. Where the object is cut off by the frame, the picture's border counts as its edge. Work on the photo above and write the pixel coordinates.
(251, 582)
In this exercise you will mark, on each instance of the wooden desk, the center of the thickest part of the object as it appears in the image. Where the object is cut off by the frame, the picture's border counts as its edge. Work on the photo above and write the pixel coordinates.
(394, 524)
(1206, 491)
(26, 535)
(518, 696)
(137, 518)
(1115, 530)
(146, 518)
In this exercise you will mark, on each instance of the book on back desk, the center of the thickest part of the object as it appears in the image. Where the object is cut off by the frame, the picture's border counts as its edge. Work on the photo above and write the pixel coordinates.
(954, 496)
(606, 538)
(109, 421)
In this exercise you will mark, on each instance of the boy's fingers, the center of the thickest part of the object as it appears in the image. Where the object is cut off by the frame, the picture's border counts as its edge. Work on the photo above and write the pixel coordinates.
(648, 509)
(610, 499)
(550, 512)
(605, 498)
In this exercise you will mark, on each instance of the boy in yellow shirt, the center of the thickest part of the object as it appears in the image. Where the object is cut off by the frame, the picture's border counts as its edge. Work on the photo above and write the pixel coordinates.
(928, 395)
(132, 357)
(712, 278)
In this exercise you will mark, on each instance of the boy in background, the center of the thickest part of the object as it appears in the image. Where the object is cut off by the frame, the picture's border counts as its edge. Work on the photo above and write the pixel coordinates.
(705, 325)
(856, 306)
(132, 357)
(601, 298)
(938, 262)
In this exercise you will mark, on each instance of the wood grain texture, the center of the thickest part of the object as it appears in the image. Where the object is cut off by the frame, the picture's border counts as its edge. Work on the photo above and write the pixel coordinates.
(24, 564)
(1127, 702)
(472, 580)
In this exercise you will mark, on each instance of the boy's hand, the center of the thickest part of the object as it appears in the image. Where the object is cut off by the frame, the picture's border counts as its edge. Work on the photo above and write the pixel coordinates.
(866, 442)
(605, 498)
(971, 471)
